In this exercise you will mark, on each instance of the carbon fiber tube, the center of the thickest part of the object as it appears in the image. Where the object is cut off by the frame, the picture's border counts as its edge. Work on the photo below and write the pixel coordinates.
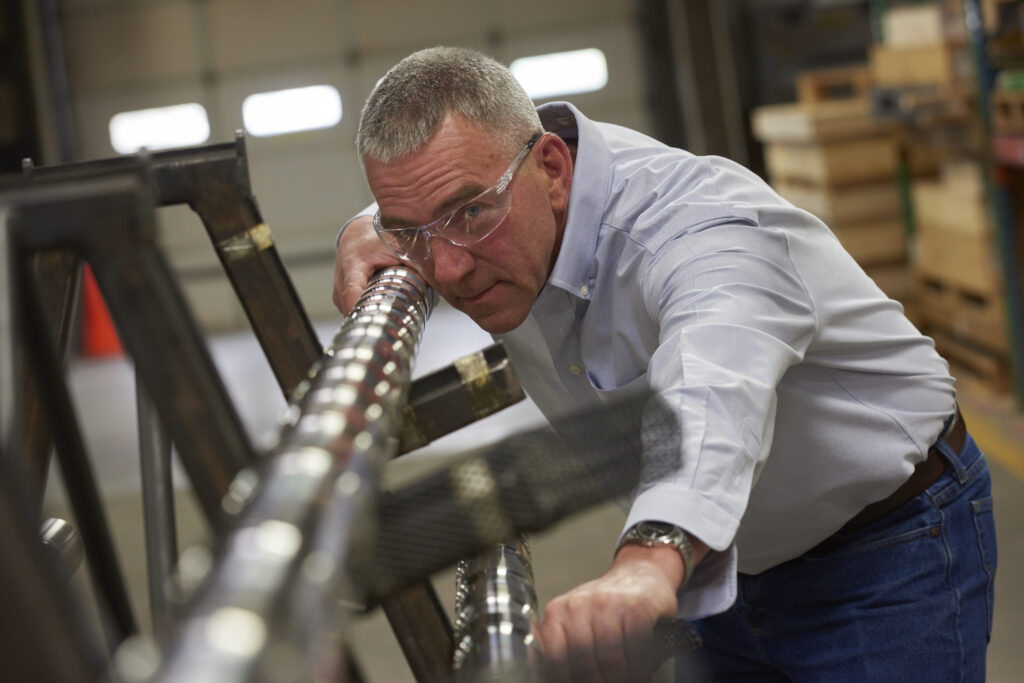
(269, 609)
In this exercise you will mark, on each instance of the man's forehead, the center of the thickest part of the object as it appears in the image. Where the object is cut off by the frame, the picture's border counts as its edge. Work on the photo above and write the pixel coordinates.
(459, 167)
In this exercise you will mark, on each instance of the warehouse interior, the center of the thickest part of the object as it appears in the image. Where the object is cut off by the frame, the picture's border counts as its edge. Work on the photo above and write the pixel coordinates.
(899, 123)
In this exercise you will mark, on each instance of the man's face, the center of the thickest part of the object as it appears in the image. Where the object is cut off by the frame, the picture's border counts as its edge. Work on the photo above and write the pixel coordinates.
(496, 280)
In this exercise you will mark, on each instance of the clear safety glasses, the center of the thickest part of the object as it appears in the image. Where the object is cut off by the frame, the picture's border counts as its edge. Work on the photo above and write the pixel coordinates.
(468, 224)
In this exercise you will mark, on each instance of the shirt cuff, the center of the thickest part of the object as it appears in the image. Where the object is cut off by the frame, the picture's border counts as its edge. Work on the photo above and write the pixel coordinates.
(712, 585)
(711, 588)
(368, 211)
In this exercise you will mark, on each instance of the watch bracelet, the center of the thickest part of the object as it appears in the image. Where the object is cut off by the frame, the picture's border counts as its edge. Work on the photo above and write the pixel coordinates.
(684, 546)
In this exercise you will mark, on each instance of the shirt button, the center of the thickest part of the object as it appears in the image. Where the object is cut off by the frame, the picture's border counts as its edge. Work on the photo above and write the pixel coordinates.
(584, 290)
(574, 369)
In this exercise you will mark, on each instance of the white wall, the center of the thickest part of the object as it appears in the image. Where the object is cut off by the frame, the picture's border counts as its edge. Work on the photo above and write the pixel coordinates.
(135, 54)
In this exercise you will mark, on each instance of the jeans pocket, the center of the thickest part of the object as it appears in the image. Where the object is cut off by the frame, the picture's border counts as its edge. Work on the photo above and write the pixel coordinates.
(984, 525)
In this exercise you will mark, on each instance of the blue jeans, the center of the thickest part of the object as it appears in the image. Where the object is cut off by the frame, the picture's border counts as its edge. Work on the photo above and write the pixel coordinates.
(907, 598)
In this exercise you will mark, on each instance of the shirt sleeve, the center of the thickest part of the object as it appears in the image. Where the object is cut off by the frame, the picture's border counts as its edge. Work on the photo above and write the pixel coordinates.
(368, 211)
(734, 316)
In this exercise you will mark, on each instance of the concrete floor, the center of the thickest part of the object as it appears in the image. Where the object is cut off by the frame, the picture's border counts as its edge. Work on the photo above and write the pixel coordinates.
(572, 552)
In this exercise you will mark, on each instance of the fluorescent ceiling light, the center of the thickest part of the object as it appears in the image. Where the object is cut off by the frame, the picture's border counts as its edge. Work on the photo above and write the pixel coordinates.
(179, 125)
(292, 110)
(561, 73)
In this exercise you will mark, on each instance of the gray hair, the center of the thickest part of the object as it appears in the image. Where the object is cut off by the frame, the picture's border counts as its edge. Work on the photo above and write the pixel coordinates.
(413, 98)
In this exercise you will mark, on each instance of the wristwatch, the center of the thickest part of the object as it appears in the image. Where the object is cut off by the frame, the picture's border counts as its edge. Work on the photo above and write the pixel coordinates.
(649, 533)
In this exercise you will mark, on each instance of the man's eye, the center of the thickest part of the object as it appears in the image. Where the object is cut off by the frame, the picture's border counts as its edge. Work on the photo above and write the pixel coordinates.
(407, 234)
(471, 211)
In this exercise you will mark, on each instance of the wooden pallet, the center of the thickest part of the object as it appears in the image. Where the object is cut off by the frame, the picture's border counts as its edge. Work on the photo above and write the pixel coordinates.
(838, 162)
(965, 260)
(952, 206)
(964, 358)
(914, 25)
(893, 279)
(872, 243)
(817, 122)
(979, 320)
(827, 85)
(898, 67)
(849, 205)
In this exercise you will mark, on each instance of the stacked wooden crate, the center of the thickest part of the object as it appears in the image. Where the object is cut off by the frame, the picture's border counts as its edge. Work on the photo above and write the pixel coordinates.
(955, 275)
(923, 66)
(923, 45)
(829, 155)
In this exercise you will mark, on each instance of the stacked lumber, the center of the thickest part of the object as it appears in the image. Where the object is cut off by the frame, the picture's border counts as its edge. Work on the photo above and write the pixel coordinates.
(829, 155)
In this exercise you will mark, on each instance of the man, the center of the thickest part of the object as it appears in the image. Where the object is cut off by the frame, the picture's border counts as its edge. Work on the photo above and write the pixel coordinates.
(827, 517)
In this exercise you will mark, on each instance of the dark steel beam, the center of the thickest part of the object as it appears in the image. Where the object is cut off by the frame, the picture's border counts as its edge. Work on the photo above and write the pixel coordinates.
(473, 387)
(43, 632)
(109, 221)
(214, 181)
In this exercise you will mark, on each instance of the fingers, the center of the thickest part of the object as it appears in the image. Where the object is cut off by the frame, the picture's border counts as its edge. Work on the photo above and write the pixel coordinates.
(583, 640)
(360, 254)
(639, 651)
(555, 646)
(609, 650)
(603, 630)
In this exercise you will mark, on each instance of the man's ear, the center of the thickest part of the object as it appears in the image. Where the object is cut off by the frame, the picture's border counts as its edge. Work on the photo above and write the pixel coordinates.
(556, 161)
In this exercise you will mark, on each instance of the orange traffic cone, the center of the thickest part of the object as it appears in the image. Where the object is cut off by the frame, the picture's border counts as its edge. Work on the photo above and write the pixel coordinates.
(99, 338)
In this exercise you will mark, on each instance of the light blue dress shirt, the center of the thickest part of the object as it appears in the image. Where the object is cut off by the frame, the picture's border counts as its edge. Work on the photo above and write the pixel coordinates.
(803, 392)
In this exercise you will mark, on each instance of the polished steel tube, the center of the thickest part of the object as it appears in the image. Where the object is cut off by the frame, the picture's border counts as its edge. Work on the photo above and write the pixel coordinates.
(157, 508)
(269, 609)
(495, 611)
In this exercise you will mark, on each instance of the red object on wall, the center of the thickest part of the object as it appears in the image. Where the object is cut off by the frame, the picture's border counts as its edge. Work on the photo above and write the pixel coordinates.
(99, 338)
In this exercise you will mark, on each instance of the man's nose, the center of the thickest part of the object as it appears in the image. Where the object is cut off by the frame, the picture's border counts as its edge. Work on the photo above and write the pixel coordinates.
(450, 262)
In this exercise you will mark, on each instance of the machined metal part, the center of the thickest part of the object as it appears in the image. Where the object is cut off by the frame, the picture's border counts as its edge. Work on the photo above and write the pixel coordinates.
(473, 387)
(63, 544)
(269, 609)
(44, 634)
(496, 610)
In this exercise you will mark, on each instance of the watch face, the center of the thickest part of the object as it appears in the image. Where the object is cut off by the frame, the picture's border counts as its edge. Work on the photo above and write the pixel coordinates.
(655, 529)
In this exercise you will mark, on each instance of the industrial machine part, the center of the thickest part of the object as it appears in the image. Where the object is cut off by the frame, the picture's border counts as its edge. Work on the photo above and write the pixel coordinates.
(495, 612)
(43, 634)
(269, 609)
(63, 544)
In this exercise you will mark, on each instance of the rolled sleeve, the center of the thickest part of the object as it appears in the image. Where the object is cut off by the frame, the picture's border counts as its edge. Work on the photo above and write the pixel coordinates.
(734, 316)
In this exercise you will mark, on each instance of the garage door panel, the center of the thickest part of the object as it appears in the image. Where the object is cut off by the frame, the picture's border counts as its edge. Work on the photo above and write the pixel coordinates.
(132, 44)
(252, 33)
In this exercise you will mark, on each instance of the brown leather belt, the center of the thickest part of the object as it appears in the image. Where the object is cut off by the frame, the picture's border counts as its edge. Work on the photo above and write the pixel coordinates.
(925, 474)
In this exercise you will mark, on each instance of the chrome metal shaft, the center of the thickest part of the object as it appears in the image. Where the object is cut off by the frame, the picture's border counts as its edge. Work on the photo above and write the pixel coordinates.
(496, 608)
(269, 610)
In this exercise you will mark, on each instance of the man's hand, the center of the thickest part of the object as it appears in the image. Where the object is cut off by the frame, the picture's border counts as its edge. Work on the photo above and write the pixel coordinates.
(604, 629)
(360, 255)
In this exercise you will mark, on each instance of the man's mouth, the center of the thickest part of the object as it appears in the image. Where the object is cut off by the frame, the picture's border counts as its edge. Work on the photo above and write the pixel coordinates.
(479, 296)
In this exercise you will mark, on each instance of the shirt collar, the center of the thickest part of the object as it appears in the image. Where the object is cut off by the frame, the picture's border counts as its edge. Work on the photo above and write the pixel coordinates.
(587, 197)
